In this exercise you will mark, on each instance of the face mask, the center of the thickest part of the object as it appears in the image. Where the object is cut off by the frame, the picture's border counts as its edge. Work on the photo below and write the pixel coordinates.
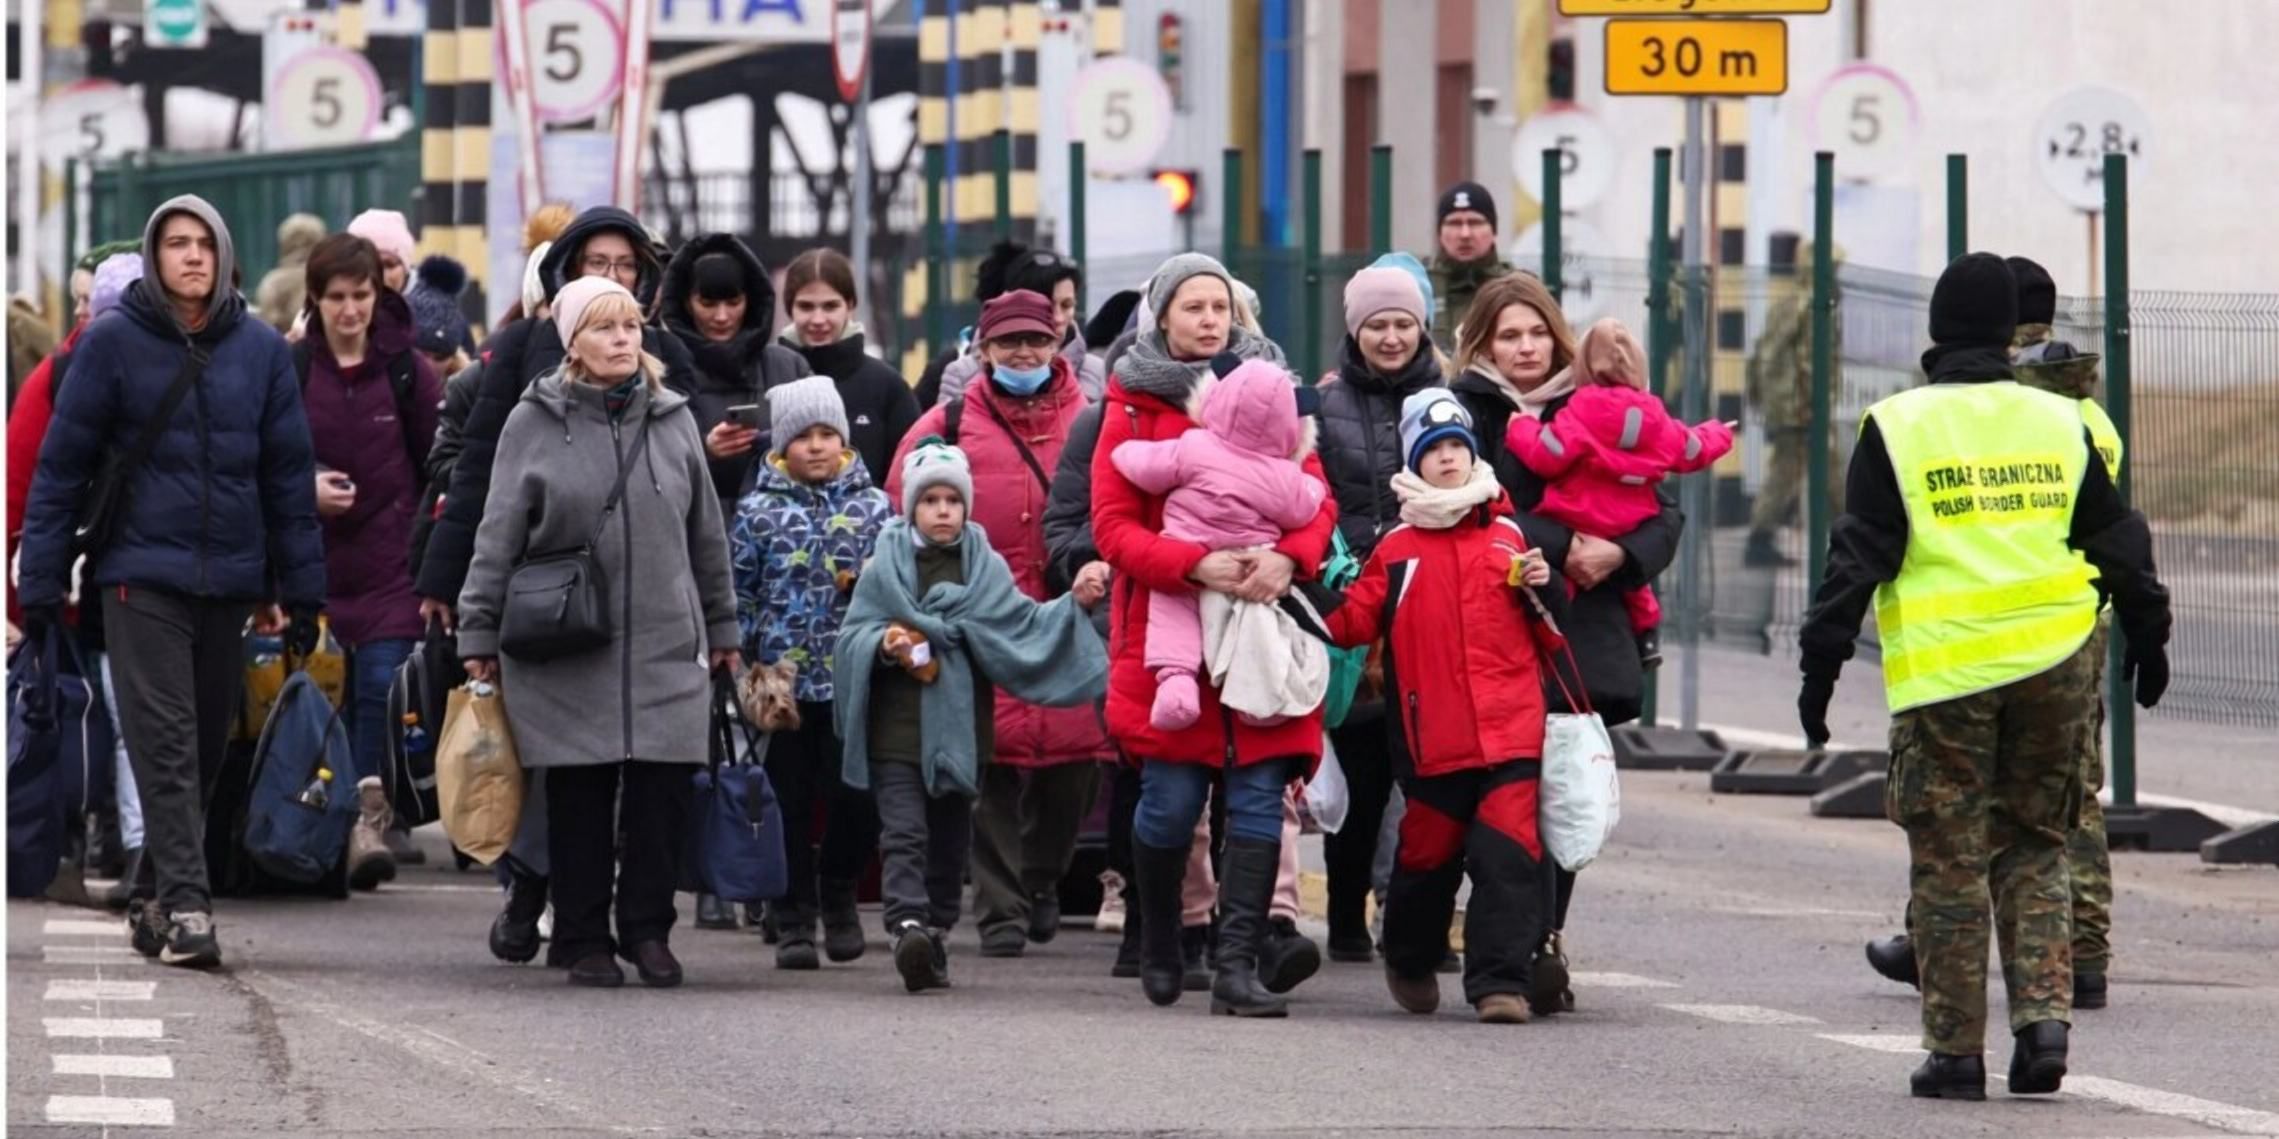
(1020, 381)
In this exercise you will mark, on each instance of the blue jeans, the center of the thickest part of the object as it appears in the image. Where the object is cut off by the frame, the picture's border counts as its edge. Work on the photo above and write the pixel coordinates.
(1172, 797)
(371, 669)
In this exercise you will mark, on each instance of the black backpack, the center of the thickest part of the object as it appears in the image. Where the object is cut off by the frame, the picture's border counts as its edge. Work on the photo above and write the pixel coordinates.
(403, 383)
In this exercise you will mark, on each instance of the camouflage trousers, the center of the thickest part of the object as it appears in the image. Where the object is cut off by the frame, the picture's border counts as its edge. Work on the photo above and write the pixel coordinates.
(1785, 461)
(1989, 789)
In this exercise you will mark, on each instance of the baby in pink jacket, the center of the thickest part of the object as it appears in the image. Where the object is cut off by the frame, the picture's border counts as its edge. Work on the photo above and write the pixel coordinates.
(1234, 483)
(1607, 450)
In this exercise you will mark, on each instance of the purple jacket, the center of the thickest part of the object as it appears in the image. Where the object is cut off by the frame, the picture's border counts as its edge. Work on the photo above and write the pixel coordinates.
(353, 420)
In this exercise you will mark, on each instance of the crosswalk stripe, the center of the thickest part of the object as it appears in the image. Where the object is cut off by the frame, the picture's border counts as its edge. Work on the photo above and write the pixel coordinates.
(110, 1111)
(87, 954)
(127, 1067)
(105, 1028)
(75, 990)
(1877, 1042)
(1616, 981)
(74, 927)
(2205, 1112)
(1741, 1014)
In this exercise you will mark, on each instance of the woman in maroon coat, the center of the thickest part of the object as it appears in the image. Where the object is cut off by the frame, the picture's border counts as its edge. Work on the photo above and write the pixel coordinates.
(372, 403)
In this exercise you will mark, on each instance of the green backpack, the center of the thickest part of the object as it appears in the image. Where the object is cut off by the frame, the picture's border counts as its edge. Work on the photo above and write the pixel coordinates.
(1345, 665)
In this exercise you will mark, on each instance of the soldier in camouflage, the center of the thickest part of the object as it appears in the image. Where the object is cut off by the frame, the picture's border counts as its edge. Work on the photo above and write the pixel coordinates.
(1779, 388)
(1986, 618)
(2040, 361)
(1465, 259)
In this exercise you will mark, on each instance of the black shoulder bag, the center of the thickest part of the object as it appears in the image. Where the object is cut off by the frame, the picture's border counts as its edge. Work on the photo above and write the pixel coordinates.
(557, 604)
(106, 502)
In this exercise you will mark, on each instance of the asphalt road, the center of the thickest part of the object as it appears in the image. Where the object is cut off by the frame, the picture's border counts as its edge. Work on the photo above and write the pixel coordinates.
(1722, 992)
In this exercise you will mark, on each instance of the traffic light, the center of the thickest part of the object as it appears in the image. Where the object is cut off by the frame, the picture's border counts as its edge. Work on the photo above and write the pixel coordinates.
(1170, 50)
(1181, 186)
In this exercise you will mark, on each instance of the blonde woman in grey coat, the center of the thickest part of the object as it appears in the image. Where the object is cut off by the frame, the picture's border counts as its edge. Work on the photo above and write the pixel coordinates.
(629, 719)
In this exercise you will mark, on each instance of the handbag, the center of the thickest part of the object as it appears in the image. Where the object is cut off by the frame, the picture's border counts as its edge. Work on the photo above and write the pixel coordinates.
(736, 849)
(557, 604)
(105, 502)
(1581, 793)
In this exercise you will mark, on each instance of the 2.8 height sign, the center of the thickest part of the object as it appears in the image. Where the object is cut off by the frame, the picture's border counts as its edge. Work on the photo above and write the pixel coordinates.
(1696, 57)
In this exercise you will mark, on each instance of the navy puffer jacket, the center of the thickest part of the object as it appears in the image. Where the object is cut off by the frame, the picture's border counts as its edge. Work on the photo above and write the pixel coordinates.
(226, 506)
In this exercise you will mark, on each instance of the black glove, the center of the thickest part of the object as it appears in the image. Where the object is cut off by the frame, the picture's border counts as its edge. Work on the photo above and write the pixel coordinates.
(1812, 704)
(2148, 667)
(36, 620)
(301, 632)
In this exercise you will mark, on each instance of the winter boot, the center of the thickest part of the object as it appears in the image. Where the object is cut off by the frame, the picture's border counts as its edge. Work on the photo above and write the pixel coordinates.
(1195, 953)
(1893, 958)
(2037, 1065)
(1288, 958)
(1159, 872)
(1110, 919)
(369, 862)
(795, 948)
(1128, 952)
(1949, 1077)
(1547, 990)
(514, 933)
(2088, 988)
(1761, 553)
(1246, 892)
(1044, 915)
(712, 913)
(116, 897)
(842, 923)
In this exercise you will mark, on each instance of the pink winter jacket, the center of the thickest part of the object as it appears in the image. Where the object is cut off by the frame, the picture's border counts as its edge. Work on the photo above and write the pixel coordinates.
(1604, 454)
(1235, 481)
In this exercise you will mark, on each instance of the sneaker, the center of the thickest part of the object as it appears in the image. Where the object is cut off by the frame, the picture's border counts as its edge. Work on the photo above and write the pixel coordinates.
(914, 956)
(190, 942)
(940, 939)
(797, 952)
(1004, 941)
(1110, 919)
(369, 862)
(146, 927)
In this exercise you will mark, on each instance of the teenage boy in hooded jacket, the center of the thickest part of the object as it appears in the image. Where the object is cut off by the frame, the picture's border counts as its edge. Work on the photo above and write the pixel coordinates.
(1464, 667)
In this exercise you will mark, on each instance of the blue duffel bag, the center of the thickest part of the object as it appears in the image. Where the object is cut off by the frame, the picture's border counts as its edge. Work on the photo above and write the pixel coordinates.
(60, 751)
(736, 846)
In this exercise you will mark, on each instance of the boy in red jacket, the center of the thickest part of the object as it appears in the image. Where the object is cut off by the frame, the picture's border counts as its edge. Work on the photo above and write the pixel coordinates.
(1464, 660)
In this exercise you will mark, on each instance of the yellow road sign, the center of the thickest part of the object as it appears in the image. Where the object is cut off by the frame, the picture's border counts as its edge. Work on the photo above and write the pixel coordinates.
(1694, 7)
(1696, 57)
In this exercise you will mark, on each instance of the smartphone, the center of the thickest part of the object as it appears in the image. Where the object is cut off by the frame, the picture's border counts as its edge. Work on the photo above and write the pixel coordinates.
(746, 415)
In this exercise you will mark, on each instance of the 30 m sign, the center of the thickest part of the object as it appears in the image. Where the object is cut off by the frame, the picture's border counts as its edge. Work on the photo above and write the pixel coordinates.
(1696, 57)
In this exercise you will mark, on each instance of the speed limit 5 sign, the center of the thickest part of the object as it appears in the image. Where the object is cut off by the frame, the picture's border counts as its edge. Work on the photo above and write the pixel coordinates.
(1122, 111)
(324, 96)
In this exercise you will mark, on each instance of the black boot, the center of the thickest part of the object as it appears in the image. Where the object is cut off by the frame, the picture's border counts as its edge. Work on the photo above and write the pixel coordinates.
(2088, 988)
(1288, 958)
(1128, 950)
(1761, 553)
(1159, 872)
(842, 923)
(1894, 959)
(1195, 952)
(795, 948)
(1949, 1077)
(514, 933)
(2037, 1064)
(1246, 891)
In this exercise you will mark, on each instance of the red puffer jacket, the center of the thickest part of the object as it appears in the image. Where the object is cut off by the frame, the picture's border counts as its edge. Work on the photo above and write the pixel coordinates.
(1127, 525)
(1467, 659)
(1009, 503)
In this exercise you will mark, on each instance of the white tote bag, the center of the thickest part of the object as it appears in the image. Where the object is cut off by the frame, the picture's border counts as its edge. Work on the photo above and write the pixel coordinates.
(1326, 796)
(1581, 796)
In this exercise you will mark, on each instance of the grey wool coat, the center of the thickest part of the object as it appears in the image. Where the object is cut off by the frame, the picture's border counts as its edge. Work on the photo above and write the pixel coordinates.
(663, 557)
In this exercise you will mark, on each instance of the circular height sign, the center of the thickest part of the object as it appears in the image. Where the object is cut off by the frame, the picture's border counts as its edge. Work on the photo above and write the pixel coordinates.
(577, 58)
(1586, 160)
(1867, 117)
(2078, 131)
(325, 96)
(1122, 111)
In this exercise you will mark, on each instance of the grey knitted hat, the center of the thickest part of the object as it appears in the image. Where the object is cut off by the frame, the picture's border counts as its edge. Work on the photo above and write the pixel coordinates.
(930, 463)
(1176, 272)
(801, 404)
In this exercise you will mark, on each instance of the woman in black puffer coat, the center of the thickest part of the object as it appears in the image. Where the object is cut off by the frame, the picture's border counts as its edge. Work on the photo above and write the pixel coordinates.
(1388, 357)
(718, 300)
(819, 298)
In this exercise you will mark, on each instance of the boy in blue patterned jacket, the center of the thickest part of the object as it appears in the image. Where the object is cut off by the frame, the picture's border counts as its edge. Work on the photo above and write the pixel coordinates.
(801, 537)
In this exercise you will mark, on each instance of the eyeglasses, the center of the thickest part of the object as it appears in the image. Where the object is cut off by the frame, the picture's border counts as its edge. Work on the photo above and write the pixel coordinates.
(1022, 340)
(596, 266)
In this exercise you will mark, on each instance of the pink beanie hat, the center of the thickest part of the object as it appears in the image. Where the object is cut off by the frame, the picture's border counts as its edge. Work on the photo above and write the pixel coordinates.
(1380, 289)
(571, 301)
(388, 230)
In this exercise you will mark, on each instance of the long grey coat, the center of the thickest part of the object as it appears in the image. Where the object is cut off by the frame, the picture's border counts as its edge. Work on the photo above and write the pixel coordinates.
(664, 552)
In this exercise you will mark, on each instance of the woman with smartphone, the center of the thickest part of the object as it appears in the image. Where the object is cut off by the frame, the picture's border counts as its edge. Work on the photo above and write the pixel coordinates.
(718, 300)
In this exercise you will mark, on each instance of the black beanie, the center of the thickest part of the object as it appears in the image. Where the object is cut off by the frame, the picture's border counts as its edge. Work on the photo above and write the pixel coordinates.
(1040, 271)
(1975, 303)
(1468, 196)
(717, 277)
(2037, 294)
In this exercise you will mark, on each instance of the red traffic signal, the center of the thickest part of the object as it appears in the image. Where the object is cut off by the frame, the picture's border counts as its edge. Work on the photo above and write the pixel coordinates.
(1181, 187)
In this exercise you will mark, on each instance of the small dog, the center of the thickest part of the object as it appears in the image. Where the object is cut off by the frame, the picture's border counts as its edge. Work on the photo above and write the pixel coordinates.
(766, 695)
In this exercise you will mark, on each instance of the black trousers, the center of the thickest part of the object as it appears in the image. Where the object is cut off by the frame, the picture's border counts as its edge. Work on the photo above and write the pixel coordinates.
(177, 666)
(1480, 821)
(590, 810)
(805, 766)
(1351, 854)
(1025, 828)
(925, 841)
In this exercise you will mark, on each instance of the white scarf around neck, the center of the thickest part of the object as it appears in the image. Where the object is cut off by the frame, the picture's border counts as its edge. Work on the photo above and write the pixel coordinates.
(1533, 403)
(1428, 507)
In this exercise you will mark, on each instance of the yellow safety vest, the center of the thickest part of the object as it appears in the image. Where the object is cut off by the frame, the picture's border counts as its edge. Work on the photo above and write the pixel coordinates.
(2105, 435)
(1989, 593)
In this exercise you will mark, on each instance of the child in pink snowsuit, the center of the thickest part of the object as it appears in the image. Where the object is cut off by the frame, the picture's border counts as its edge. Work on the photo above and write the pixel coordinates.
(1608, 449)
(1234, 483)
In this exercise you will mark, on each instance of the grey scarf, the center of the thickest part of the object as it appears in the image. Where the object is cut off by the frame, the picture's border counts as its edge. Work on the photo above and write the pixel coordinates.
(1149, 367)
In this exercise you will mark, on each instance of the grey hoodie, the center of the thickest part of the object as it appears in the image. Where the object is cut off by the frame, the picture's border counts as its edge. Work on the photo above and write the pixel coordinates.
(225, 295)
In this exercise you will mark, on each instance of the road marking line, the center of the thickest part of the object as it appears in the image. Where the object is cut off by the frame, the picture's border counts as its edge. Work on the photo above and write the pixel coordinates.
(1618, 981)
(105, 1028)
(1877, 1043)
(70, 927)
(110, 1111)
(87, 954)
(101, 990)
(1795, 912)
(402, 888)
(1741, 1014)
(123, 1067)
(2205, 1112)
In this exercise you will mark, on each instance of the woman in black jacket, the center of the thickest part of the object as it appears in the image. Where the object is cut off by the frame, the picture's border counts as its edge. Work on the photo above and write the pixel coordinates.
(1513, 359)
(1388, 357)
(819, 298)
(719, 301)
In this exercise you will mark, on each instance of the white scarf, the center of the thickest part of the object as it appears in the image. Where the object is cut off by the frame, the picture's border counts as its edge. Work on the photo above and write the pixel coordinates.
(1428, 507)
(1533, 403)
